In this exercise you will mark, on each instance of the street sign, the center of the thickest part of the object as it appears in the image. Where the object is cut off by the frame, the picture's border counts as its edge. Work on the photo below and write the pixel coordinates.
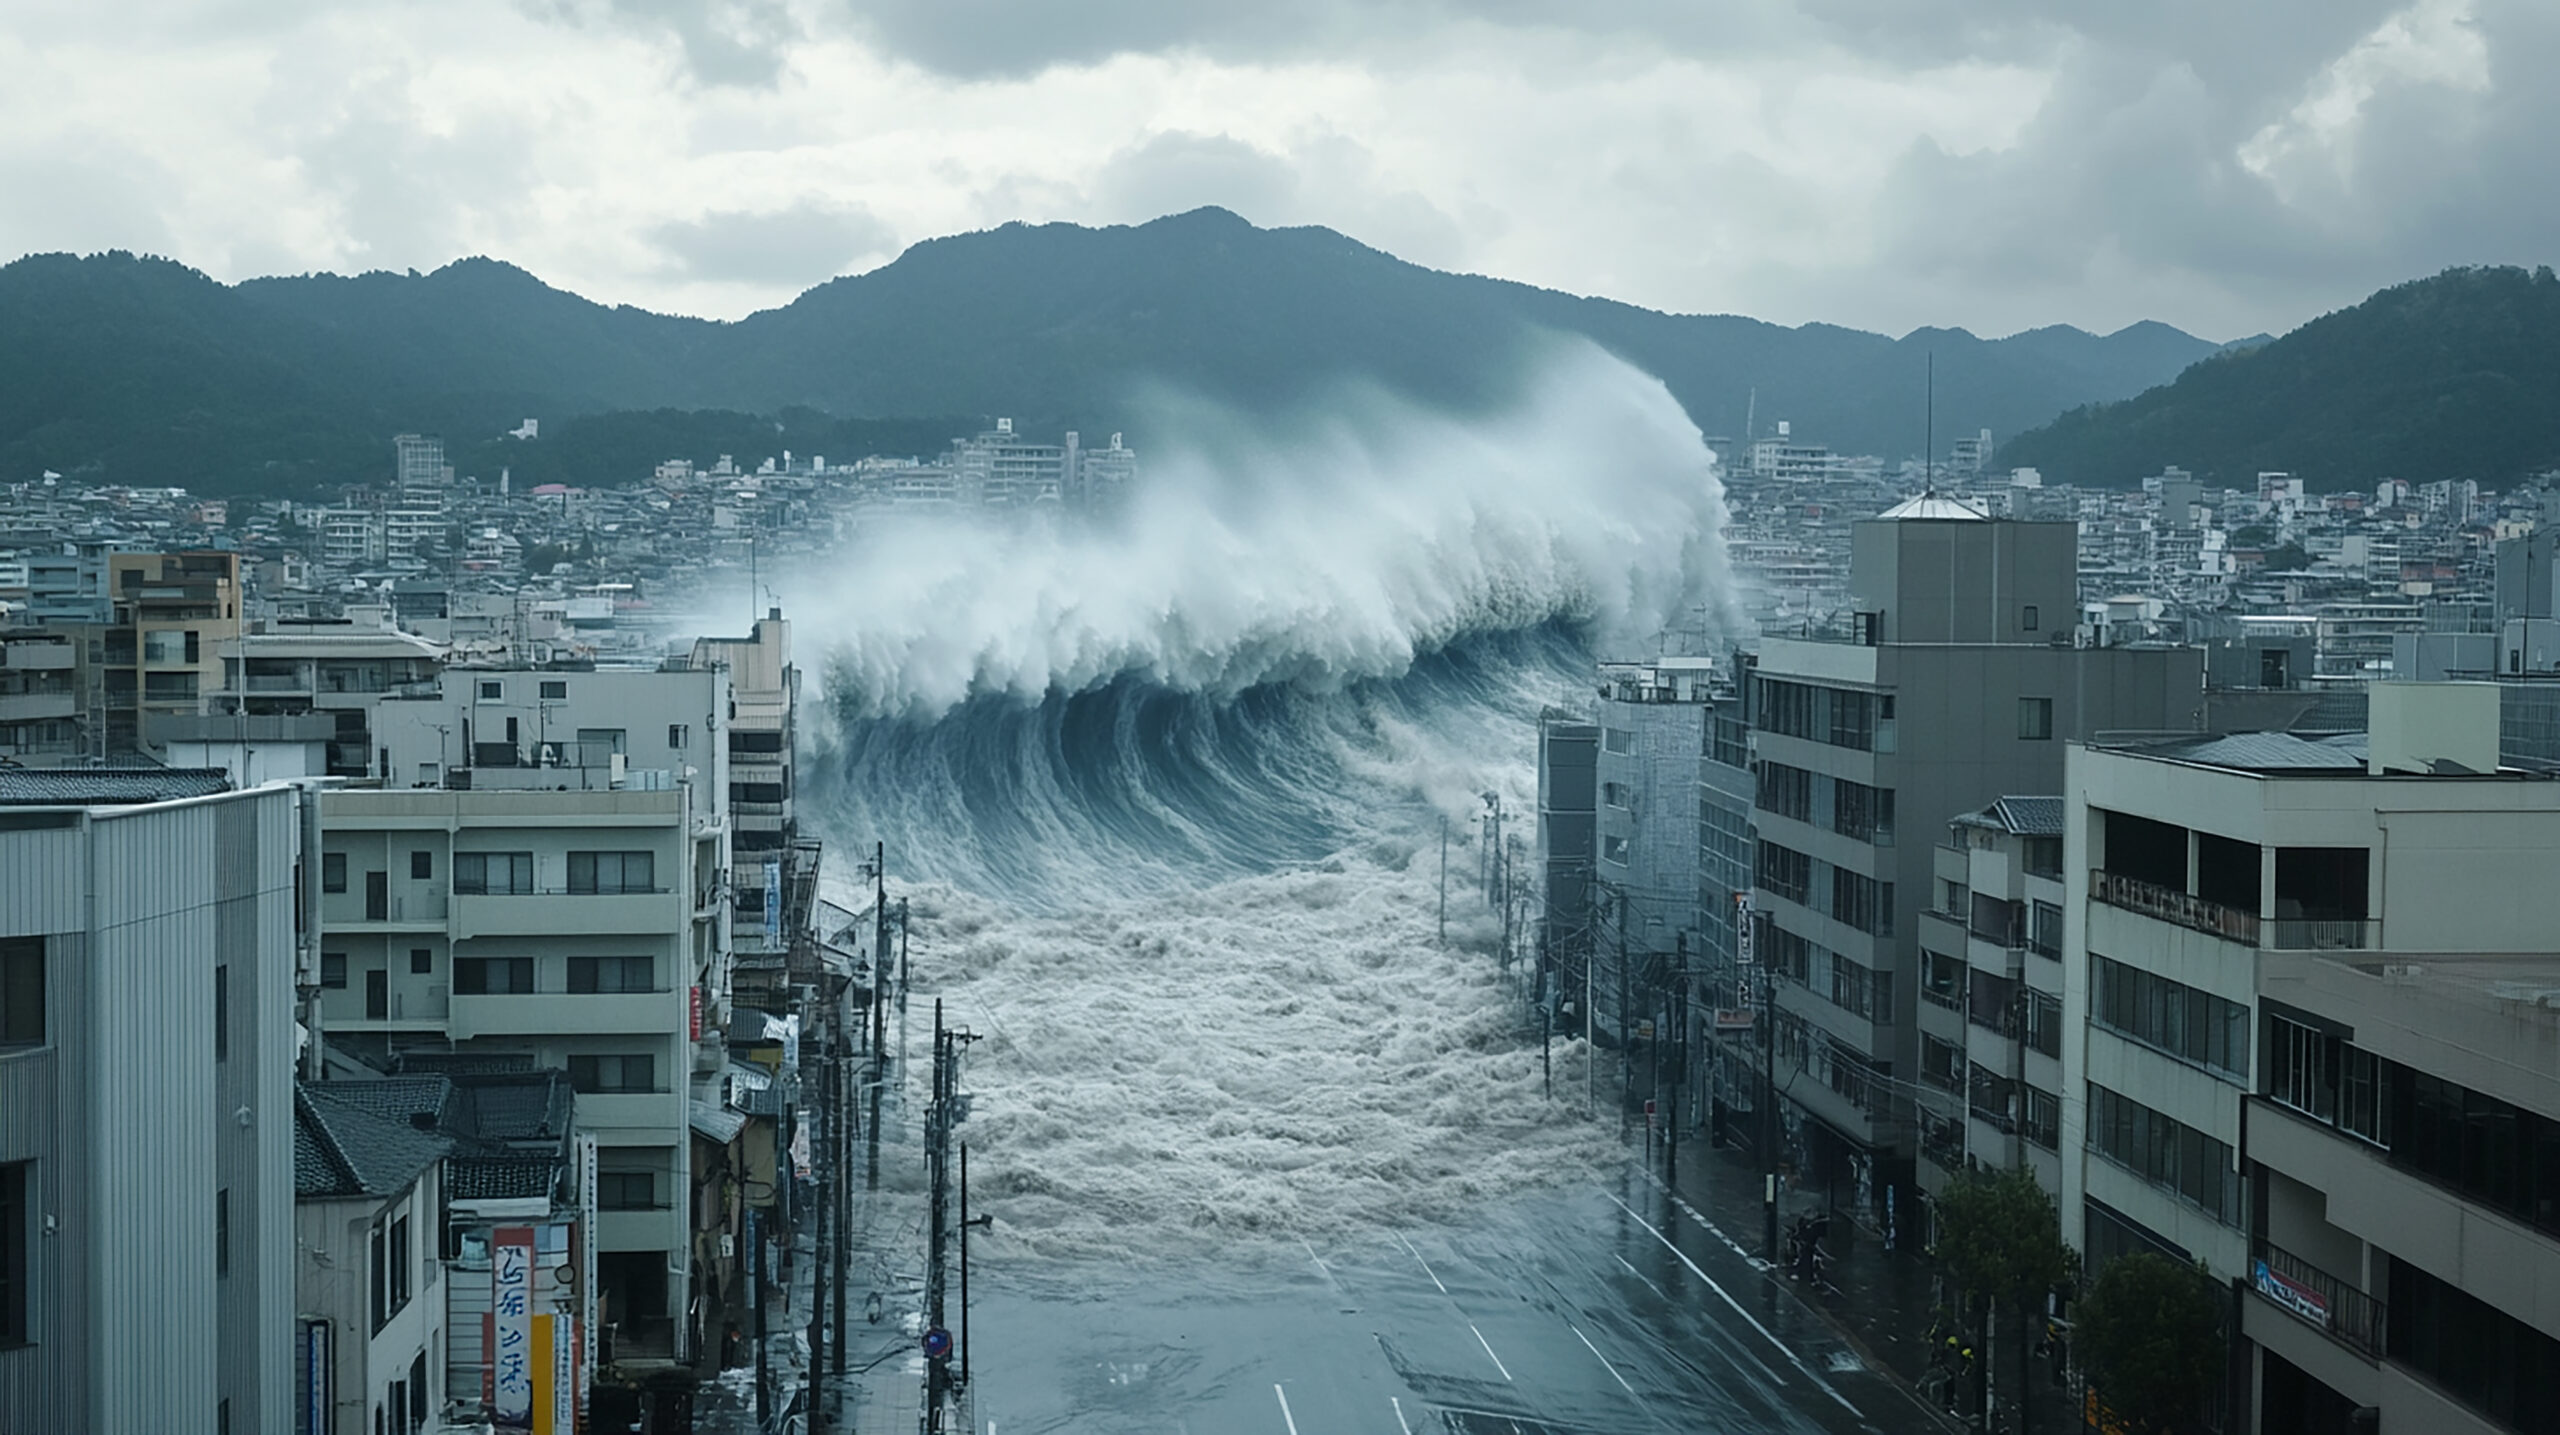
(1735, 1018)
(937, 1343)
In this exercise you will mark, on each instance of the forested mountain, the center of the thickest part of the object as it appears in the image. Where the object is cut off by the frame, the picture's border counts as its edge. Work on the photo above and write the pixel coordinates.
(2457, 376)
(145, 371)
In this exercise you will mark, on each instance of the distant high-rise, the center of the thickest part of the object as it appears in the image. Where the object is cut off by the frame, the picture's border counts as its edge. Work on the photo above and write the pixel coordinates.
(422, 469)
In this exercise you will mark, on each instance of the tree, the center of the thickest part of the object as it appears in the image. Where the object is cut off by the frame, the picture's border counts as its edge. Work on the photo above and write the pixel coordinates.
(2150, 1335)
(2000, 1237)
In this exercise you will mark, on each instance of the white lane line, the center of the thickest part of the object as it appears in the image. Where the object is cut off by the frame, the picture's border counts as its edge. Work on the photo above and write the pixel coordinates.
(1823, 1385)
(1400, 1420)
(1488, 1350)
(1285, 1417)
(1418, 1260)
(1604, 1360)
(1712, 1229)
(1321, 1268)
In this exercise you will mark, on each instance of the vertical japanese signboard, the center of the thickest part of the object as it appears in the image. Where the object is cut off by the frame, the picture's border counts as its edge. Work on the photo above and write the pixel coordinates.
(772, 901)
(511, 1357)
(555, 1377)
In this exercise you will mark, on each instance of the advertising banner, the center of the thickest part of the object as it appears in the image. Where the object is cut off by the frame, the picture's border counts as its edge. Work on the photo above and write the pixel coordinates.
(511, 1354)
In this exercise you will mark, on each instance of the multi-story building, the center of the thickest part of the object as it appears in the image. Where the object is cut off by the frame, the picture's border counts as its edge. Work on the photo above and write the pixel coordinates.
(2316, 1054)
(1991, 989)
(163, 652)
(368, 1217)
(41, 715)
(340, 670)
(148, 965)
(1958, 680)
(504, 917)
(1000, 469)
(1654, 719)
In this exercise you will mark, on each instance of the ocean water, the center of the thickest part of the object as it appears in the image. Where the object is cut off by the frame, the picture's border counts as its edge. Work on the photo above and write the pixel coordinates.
(1167, 795)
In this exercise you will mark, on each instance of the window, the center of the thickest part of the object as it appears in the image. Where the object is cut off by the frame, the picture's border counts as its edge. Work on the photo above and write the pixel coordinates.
(422, 960)
(2044, 933)
(678, 734)
(22, 1021)
(626, 1190)
(17, 1254)
(1613, 794)
(1618, 740)
(1862, 813)
(1857, 989)
(2035, 719)
(333, 871)
(1941, 1063)
(2484, 1357)
(2044, 1023)
(222, 1011)
(333, 970)
(554, 690)
(492, 976)
(2168, 1153)
(422, 865)
(1941, 980)
(1862, 902)
(2043, 1123)
(2043, 856)
(636, 1072)
(490, 692)
(222, 1232)
(2169, 1016)
(1614, 849)
(611, 974)
(1786, 791)
(614, 872)
(750, 740)
(493, 873)
(1786, 872)
(2027, 617)
(400, 1264)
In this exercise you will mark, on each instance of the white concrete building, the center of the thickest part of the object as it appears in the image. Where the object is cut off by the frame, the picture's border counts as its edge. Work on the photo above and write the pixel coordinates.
(2309, 1046)
(148, 963)
(580, 929)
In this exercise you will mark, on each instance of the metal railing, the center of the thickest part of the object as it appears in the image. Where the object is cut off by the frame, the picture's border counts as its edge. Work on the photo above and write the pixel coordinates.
(2323, 934)
(2303, 1290)
(2167, 904)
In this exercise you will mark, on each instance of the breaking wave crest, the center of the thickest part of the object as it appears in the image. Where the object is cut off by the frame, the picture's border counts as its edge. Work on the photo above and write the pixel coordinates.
(1171, 788)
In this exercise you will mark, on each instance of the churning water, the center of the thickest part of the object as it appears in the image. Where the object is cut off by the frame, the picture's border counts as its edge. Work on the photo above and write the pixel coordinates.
(1168, 793)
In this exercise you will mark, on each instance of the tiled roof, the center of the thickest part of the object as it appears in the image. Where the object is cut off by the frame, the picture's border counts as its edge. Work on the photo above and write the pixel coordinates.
(342, 1149)
(106, 786)
(399, 1098)
(2030, 816)
(500, 1178)
(716, 1124)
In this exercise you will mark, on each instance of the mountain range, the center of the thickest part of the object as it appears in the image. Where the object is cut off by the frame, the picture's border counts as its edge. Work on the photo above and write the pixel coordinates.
(142, 370)
(2457, 376)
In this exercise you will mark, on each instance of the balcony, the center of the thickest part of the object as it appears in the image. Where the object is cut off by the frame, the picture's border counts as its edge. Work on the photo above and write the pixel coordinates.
(563, 914)
(36, 707)
(2177, 908)
(559, 1013)
(2322, 934)
(2317, 1298)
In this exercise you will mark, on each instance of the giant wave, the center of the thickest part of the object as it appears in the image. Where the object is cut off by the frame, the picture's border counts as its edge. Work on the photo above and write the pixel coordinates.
(1168, 791)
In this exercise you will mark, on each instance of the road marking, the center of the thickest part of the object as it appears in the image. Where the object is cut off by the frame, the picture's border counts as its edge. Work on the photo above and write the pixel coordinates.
(1418, 1260)
(1488, 1350)
(1712, 1229)
(1321, 1268)
(1391, 1400)
(1727, 1297)
(1604, 1360)
(1285, 1417)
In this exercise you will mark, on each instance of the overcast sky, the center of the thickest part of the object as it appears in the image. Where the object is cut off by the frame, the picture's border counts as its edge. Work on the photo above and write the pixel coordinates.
(2224, 165)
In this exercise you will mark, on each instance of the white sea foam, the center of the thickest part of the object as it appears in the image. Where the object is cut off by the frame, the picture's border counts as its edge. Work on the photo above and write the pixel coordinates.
(1335, 543)
(1272, 1057)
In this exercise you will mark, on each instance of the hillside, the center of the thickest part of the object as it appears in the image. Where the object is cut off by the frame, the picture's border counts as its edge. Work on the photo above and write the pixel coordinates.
(146, 371)
(2457, 376)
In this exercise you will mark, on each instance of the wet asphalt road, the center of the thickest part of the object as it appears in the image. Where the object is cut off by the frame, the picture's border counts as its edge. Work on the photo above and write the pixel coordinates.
(1608, 1308)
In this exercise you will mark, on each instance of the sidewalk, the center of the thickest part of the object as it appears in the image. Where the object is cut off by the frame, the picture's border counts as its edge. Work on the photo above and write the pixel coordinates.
(882, 1388)
(1885, 1299)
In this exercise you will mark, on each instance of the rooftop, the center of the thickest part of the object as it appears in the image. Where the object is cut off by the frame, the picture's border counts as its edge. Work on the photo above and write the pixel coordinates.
(1930, 503)
(107, 786)
(2263, 752)
(342, 1149)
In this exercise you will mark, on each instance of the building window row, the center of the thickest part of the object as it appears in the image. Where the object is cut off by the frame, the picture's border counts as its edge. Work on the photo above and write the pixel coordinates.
(2177, 1158)
(1839, 717)
(2487, 1359)
(2168, 1016)
(1835, 804)
(2479, 1147)
(1860, 990)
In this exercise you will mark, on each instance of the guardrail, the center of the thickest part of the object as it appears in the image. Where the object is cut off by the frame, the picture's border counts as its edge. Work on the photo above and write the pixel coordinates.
(2312, 1295)
(2323, 934)
(2166, 904)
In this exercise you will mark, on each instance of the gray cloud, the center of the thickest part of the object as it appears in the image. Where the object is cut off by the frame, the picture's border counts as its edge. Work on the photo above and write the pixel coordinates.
(796, 247)
(724, 42)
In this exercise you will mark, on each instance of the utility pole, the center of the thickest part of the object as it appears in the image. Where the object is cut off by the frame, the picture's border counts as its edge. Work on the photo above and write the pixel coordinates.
(880, 952)
(764, 1347)
(1444, 879)
(902, 963)
(1547, 1015)
(840, 1157)
(1769, 1104)
(1626, 1024)
(818, 1300)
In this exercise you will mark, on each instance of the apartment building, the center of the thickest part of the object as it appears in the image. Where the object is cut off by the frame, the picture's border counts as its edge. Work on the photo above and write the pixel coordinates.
(547, 917)
(1957, 679)
(2317, 1054)
(1654, 719)
(148, 963)
(1991, 991)
(173, 611)
(341, 670)
(41, 715)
